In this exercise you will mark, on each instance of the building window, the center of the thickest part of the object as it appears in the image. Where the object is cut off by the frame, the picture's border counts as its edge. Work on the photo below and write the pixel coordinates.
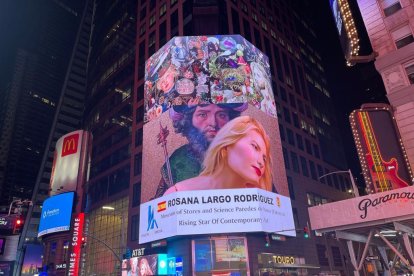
(322, 255)
(173, 2)
(152, 20)
(410, 73)
(291, 188)
(304, 165)
(163, 9)
(336, 256)
(134, 227)
(295, 161)
(291, 139)
(286, 158)
(138, 164)
(391, 6)
(313, 170)
(264, 26)
(254, 16)
(244, 7)
(136, 194)
(402, 36)
(138, 137)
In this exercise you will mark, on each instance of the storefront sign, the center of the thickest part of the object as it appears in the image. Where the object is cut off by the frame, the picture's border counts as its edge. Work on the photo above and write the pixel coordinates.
(216, 211)
(76, 243)
(374, 207)
(279, 259)
(138, 252)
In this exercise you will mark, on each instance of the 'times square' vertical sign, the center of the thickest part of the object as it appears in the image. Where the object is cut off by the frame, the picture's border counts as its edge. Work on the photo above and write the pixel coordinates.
(212, 142)
(380, 149)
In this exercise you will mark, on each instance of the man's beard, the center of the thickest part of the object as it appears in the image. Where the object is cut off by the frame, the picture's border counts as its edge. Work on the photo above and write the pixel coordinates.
(198, 143)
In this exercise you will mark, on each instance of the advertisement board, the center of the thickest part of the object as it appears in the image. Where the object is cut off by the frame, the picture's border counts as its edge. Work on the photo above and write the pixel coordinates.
(211, 130)
(144, 265)
(68, 161)
(380, 150)
(215, 211)
(7, 222)
(56, 214)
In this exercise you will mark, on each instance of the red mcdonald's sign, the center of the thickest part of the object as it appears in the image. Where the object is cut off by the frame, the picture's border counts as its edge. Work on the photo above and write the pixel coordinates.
(70, 144)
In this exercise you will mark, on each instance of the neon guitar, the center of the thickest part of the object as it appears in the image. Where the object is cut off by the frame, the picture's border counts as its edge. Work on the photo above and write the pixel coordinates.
(384, 174)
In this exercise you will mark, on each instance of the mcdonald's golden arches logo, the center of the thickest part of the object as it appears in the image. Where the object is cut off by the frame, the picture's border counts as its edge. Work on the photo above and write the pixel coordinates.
(70, 144)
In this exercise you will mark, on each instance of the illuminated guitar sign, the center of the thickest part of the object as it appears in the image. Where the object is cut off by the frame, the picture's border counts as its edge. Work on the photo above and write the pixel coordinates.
(384, 174)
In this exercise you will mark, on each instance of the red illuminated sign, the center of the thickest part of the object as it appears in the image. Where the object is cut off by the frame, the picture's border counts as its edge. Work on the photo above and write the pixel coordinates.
(70, 144)
(76, 243)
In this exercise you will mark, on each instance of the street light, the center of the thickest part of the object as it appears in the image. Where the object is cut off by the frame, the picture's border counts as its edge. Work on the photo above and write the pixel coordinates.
(354, 187)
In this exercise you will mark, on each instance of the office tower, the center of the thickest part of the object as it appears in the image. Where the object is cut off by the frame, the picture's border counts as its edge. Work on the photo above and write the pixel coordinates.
(33, 91)
(310, 138)
(389, 28)
(108, 118)
(68, 94)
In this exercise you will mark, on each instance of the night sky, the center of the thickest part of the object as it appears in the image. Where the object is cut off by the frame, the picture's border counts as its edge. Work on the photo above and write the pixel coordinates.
(350, 87)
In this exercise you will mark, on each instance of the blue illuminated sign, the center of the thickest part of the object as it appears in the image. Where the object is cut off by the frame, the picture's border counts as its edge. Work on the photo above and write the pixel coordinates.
(56, 214)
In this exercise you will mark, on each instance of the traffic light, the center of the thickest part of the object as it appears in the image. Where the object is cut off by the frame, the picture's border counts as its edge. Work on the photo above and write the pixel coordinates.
(267, 244)
(306, 233)
(83, 242)
(18, 225)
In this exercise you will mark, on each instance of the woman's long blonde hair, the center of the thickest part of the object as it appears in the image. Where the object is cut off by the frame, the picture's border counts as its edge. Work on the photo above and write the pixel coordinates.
(228, 135)
(146, 265)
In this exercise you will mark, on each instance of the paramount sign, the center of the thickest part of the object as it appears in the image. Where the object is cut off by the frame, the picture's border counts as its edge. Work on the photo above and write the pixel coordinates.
(396, 204)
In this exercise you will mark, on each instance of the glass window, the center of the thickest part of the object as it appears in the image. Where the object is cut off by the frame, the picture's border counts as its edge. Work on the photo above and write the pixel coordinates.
(295, 161)
(391, 6)
(299, 140)
(410, 73)
(138, 164)
(136, 194)
(134, 227)
(291, 188)
(313, 170)
(322, 255)
(286, 158)
(402, 36)
(163, 9)
(291, 139)
(304, 166)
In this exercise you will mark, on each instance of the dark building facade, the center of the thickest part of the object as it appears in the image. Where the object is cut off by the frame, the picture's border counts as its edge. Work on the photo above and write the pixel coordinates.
(108, 117)
(33, 91)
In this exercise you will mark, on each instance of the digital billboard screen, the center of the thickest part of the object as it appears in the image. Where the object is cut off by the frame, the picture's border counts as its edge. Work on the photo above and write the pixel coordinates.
(215, 151)
(56, 214)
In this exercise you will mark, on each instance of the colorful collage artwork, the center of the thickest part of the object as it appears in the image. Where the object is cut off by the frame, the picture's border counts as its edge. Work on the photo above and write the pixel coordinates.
(207, 69)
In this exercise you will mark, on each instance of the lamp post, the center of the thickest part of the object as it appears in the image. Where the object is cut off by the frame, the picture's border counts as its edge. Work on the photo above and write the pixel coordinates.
(354, 187)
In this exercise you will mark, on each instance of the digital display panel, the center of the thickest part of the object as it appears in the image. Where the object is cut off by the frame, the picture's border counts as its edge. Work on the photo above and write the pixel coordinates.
(145, 265)
(32, 259)
(214, 141)
(56, 214)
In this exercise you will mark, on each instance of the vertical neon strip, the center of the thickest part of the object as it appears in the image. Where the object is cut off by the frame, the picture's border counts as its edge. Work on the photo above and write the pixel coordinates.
(77, 235)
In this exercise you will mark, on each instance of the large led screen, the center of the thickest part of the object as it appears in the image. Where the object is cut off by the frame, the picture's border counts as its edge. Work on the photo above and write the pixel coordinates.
(56, 214)
(207, 69)
(213, 149)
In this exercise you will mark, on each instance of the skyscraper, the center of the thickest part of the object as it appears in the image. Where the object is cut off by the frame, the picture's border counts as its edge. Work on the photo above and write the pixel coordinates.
(310, 139)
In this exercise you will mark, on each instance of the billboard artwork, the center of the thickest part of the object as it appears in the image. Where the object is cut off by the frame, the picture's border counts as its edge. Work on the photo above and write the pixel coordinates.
(68, 162)
(380, 150)
(145, 265)
(218, 158)
(202, 70)
(56, 214)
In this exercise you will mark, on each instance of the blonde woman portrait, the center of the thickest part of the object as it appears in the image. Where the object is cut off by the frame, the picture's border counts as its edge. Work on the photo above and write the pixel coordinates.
(144, 268)
(238, 157)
